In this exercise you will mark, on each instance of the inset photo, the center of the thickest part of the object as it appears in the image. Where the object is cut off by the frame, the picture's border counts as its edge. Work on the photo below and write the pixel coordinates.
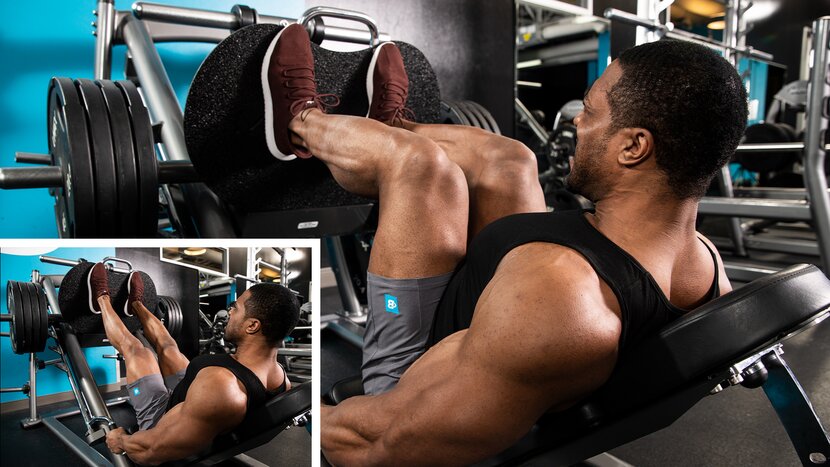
(174, 355)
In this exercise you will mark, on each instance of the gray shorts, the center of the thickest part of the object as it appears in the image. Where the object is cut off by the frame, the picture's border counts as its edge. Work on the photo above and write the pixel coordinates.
(400, 318)
(149, 395)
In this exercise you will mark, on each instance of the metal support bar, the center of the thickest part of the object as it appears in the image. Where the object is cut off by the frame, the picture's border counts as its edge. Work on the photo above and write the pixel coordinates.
(735, 231)
(73, 263)
(229, 21)
(535, 126)
(32, 158)
(77, 445)
(51, 295)
(79, 370)
(20, 389)
(795, 411)
(33, 416)
(786, 210)
(625, 17)
(104, 32)
(158, 91)
(815, 152)
(344, 281)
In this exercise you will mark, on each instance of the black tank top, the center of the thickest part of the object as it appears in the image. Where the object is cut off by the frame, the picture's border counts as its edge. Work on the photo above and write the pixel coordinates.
(644, 308)
(257, 394)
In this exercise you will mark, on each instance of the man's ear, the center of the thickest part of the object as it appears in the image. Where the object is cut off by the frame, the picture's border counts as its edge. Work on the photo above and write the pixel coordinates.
(637, 146)
(253, 326)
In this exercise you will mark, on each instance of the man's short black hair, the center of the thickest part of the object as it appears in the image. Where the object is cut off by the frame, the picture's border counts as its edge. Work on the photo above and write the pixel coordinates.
(692, 101)
(276, 307)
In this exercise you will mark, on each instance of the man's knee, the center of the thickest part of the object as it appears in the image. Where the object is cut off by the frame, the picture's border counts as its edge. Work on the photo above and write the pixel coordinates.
(507, 162)
(169, 351)
(134, 350)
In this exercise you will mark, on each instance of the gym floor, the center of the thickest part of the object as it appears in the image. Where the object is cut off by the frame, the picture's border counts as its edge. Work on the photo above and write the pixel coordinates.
(737, 427)
(38, 446)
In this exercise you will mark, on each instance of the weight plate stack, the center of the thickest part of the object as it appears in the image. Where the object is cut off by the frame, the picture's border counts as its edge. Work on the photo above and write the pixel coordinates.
(468, 113)
(30, 317)
(171, 313)
(103, 158)
(146, 161)
(69, 147)
(125, 160)
(101, 137)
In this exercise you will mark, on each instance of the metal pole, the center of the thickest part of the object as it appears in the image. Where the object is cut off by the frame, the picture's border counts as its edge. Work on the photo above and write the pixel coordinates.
(103, 42)
(730, 32)
(86, 385)
(815, 150)
(161, 100)
(344, 281)
(33, 417)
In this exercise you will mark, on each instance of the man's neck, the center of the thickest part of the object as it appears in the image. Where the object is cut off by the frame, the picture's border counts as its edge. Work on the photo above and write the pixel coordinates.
(637, 218)
(255, 353)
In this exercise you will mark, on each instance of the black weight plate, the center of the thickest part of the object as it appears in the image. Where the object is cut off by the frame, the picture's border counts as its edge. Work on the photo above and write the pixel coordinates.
(13, 304)
(103, 157)
(471, 116)
(487, 116)
(476, 113)
(69, 147)
(43, 312)
(34, 310)
(25, 324)
(146, 162)
(457, 115)
(125, 162)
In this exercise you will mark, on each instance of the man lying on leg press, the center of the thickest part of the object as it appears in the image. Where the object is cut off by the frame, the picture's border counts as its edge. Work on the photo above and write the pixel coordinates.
(522, 311)
(181, 406)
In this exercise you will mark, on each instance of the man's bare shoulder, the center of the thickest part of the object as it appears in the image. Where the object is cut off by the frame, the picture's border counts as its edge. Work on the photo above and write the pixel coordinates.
(218, 384)
(568, 323)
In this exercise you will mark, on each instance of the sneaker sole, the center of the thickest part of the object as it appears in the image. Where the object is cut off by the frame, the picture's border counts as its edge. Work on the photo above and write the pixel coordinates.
(89, 288)
(370, 75)
(127, 303)
(270, 139)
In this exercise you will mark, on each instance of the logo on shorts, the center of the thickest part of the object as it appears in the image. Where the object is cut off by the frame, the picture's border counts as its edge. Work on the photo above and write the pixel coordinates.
(136, 391)
(391, 303)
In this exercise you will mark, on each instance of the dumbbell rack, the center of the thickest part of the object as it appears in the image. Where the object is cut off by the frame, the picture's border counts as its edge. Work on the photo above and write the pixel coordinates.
(42, 306)
(193, 209)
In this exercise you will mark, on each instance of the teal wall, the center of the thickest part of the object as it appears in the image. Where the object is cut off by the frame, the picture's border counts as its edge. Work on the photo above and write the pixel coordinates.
(14, 369)
(53, 38)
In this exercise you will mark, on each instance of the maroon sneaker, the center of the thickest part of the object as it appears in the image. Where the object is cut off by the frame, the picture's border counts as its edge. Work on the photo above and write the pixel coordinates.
(387, 85)
(98, 285)
(288, 88)
(135, 291)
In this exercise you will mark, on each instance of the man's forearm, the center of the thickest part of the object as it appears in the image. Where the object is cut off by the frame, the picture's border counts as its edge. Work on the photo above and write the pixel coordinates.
(351, 432)
(139, 448)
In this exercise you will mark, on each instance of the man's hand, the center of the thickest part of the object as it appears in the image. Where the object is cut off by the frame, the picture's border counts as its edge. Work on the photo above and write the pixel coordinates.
(115, 441)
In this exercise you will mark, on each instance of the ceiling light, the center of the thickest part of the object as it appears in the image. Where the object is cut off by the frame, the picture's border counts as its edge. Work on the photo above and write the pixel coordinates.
(717, 25)
(529, 63)
(194, 251)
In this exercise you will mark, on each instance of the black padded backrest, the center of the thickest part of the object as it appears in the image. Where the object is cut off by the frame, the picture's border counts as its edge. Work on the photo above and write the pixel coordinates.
(224, 118)
(344, 389)
(716, 335)
(267, 422)
(73, 298)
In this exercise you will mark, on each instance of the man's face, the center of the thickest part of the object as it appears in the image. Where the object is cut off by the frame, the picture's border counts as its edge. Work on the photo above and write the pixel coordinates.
(235, 329)
(590, 172)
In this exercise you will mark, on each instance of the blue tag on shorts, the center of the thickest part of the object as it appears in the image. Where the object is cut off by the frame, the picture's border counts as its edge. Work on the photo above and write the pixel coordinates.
(391, 303)
(136, 391)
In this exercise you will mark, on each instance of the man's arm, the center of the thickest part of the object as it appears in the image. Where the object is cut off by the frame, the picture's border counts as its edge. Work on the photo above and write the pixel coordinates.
(215, 403)
(545, 333)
